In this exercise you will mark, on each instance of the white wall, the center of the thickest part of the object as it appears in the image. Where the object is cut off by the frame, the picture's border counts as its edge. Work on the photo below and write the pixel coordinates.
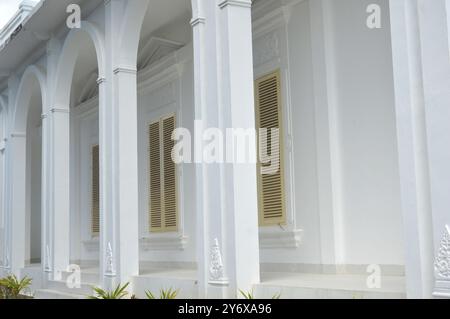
(293, 57)
(172, 93)
(84, 121)
(364, 100)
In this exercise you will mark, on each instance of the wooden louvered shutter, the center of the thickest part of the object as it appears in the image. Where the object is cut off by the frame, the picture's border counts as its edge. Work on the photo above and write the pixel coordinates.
(95, 191)
(169, 173)
(155, 177)
(163, 188)
(269, 116)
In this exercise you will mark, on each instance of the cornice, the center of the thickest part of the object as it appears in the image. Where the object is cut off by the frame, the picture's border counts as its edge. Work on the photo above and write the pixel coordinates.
(235, 3)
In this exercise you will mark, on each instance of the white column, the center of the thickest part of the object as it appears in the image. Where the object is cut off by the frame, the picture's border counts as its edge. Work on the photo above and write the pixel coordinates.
(198, 23)
(240, 214)
(327, 135)
(226, 193)
(434, 37)
(45, 195)
(18, 200)
(126, 173)
(119, 255)
(412, 148)
(3, 143)
(60, 137)
(48, 158)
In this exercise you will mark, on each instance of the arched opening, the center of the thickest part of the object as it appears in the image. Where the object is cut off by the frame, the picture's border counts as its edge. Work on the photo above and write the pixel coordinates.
(33, 180)
(26, 144)
(77, 92)
(163, 56)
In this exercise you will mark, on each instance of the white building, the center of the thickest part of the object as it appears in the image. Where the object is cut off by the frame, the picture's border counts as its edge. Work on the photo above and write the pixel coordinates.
(360, 90)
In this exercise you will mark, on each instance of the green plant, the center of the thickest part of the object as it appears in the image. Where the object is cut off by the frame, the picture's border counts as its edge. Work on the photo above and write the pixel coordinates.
(277, 296)
(250, 295)
(119, 293)
(13, 288)
(247, 295)
(164, 294)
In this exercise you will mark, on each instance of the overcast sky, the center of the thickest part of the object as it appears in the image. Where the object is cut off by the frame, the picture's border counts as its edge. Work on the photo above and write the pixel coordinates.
(7, 10)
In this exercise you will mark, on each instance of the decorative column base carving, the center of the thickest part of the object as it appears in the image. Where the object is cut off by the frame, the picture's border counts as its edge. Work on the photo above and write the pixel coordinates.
(442, 267)
(110, 269)
(216, 268)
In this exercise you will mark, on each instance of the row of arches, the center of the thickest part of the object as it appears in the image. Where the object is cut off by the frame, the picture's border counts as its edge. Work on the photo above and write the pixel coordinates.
(39, 147)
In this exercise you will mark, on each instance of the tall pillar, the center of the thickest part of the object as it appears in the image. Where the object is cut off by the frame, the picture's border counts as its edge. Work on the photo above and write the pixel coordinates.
(45, 195)
(48, 173)
(3, 143)
(60, 138)
(412, 148)
(119, 248)
(327, 135)
(13, 84)
(228, 249)
(434, 37)
(126, 172)
(17, 203)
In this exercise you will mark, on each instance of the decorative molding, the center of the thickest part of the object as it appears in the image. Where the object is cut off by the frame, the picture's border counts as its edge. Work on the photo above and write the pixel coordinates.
(271, 21)
(196, 21)
(101, 80)
(110, 270)
(18, 135)
(235, 3)
(266, 48)
(154, 50)
(125, 69)
(216, 268)
(280, 239)
(164, 70)
(442, 289)
(442, 262)
(164, 243)
(59, 110)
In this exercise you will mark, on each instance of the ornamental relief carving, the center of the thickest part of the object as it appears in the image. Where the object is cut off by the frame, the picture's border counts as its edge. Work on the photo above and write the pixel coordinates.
(163, 96)
(216, 267)
(266, 48)
(442, 263)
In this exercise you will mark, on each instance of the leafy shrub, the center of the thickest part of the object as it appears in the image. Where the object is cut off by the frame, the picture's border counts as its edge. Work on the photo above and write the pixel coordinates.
(13, 288)
(164, 294)
(119, 293)
(250, 295)
(247, 295)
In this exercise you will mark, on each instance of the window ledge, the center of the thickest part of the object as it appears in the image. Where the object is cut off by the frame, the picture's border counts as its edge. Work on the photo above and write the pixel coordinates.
(164, 243)
(92, 244)
(280, 239)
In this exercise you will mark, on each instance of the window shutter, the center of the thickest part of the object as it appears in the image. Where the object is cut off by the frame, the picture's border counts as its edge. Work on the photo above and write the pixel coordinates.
(95, 191)
(169, 173)
(269, 116)
(155, 177)
(163, 186)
